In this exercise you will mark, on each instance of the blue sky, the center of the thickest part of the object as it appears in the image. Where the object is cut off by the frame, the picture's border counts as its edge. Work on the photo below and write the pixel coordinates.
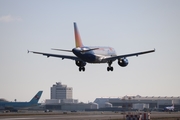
(128, 26)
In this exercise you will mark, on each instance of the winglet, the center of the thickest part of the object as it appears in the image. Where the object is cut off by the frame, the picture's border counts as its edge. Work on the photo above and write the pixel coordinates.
(77, 36)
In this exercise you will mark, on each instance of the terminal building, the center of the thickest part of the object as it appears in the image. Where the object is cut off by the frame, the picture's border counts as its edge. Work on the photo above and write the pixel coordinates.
(62, 99)
(139, 102)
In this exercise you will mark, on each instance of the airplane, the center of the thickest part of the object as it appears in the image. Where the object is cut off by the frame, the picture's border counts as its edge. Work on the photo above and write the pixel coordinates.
(92, 54)
(170, 108)
(14, 106)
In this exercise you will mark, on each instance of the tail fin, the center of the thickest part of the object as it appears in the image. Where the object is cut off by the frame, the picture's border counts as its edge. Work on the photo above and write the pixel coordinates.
(77, 36)
(36, 98)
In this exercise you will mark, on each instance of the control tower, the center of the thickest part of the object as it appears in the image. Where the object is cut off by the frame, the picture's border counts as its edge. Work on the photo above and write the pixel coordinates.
(60, 91)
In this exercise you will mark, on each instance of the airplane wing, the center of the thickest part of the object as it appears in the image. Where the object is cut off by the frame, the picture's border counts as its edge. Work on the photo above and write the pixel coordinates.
(56, 55)
(127, 55)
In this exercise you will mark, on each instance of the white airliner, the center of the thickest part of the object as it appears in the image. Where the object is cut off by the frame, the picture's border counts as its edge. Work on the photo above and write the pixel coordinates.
(86, 54)
(171, 108)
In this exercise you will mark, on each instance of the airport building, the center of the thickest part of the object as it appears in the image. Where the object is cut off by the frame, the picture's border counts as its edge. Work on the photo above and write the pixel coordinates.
(61, 94)
(59, 91)
(62, 99)
(139, 102)
(71, 106)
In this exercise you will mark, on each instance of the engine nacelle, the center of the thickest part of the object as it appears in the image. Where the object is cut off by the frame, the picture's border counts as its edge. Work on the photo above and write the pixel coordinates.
(80, 63)
(123, 62)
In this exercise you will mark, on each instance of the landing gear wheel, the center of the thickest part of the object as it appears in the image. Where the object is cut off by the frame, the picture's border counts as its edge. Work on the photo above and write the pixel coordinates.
(81, 68)
(110, 69)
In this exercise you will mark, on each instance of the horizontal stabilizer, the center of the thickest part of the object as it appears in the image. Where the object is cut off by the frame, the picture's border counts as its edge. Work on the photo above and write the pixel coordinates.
(89, 50)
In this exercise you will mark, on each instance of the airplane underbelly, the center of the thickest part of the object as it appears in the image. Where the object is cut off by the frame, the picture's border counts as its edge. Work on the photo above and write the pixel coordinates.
(89, 58)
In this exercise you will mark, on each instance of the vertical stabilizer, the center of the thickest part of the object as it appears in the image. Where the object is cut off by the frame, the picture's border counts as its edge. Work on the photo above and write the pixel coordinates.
(36, 98)
(77, 36)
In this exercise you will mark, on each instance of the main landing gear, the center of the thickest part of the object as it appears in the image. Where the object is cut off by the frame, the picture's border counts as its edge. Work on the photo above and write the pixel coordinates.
(81, 65)
(109, 68)
(81, 68)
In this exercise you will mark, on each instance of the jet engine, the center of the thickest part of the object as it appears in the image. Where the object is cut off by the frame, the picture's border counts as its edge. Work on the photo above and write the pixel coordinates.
(80, 63)
(123, 62)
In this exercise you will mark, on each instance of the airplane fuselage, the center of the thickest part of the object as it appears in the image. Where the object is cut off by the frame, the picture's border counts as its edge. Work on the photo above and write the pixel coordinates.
(170, 108)
(94, 56)
(16, 105)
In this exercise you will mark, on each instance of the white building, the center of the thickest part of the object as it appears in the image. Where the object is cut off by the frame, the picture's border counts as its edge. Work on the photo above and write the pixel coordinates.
(59, 91)
(140, 102)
